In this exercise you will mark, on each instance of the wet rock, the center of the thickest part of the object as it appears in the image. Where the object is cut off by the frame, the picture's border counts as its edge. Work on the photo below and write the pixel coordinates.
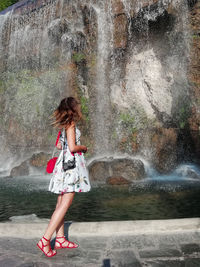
(117, 180)
(79, 41)
(193, 174)
(117, 7)
(120, 34)
(39, 160)
(146, 3)
(90, 25)
(161, 144)
(194, 73)
(56, 29)
(165, 143)
(187, 171)
(99, 171)
(129, 169)
(116, 170)
(21, 170)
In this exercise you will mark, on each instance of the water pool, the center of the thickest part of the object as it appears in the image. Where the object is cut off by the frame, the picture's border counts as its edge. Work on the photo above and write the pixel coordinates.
(144, 200)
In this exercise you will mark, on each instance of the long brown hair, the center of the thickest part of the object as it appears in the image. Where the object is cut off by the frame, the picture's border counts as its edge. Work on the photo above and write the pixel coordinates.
(67, 112)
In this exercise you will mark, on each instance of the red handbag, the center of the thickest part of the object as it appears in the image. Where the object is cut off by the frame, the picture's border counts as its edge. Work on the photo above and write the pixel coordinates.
(51, 163)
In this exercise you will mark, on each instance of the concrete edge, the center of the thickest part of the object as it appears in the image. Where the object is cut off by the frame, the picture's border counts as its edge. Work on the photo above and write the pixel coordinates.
(105, 228)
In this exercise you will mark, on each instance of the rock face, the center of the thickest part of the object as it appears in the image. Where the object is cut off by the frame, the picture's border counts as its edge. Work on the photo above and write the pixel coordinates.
(160, 145)
(116, 171)
(21, 170)
(194, 75)
(127, 63)
(120, 33)
(38, 161)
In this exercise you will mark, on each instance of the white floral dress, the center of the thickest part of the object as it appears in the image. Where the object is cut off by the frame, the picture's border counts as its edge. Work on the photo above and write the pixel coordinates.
(74, 180)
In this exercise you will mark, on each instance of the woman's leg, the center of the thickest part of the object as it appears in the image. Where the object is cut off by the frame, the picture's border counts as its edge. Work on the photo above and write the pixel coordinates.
(59, 213)
(57, 218)
(60, 230)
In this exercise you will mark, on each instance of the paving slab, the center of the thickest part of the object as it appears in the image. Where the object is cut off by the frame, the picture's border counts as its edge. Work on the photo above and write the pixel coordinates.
(124, 245)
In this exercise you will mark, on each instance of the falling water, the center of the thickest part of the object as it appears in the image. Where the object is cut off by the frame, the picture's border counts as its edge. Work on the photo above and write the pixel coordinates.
(47, 51)
(103, 112)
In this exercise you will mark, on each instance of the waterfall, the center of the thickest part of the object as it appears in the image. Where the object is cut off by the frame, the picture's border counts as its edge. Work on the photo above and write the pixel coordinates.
(102, 112)
(125, 60)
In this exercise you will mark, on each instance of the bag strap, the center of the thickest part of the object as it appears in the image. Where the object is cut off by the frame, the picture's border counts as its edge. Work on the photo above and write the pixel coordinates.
(59, 133)
(57, 139)
(64, 138)
(54, 150)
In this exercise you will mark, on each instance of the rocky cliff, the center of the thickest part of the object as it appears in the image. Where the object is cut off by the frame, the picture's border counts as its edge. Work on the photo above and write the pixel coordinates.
(134, 65)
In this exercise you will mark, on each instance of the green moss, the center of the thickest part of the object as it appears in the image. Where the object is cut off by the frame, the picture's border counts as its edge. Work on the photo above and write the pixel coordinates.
(30, 94)
(89, 151)
(127, 118)
(114, 134)
(198, 101)
(2, 87)
(85, 107)
(183, 115)
(195, 36)
(182, 124)
(78, 57)
(134, 138)
(92, 61)
(6, 3)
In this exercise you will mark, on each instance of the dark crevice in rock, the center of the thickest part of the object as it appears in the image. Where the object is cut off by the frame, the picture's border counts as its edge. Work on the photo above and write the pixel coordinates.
(186, 146)
(191, 3)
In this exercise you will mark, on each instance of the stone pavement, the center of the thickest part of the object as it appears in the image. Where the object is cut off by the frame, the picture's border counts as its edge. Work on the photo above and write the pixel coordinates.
(170, 243)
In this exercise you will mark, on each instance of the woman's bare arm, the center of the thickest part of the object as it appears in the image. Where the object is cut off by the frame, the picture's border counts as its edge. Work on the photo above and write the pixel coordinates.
(71, 138)
(59, 145)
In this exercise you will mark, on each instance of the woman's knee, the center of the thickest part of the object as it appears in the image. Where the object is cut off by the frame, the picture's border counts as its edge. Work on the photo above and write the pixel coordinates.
(59, 200)
(67, 199)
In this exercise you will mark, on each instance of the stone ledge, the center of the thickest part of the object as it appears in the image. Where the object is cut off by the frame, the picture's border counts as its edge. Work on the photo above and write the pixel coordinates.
(105, 228)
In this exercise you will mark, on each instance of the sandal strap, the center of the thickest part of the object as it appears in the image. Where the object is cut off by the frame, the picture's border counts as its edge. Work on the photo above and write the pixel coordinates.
(45, 238)
(68, 245)
(65, 240)
(60, 242)
(50, 250)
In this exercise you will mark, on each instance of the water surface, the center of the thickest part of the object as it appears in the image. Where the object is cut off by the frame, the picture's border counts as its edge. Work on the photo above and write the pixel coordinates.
(145, 200)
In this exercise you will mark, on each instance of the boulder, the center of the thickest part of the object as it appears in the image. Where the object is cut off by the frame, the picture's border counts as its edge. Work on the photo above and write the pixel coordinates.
(39, 160)
(128, 168)
(188, 171)
(192, 174)
(21, 170)
(116, 170)
(99, 171)
(117, 180)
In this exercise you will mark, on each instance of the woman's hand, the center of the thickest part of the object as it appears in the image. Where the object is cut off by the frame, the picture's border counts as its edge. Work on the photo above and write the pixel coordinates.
(59, 145)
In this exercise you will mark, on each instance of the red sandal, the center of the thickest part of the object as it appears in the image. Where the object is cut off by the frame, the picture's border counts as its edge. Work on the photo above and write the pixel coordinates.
(42, 248)
(61, 243)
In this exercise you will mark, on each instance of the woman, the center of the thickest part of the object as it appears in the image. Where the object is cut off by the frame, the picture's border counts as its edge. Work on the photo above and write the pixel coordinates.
(65, 182)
